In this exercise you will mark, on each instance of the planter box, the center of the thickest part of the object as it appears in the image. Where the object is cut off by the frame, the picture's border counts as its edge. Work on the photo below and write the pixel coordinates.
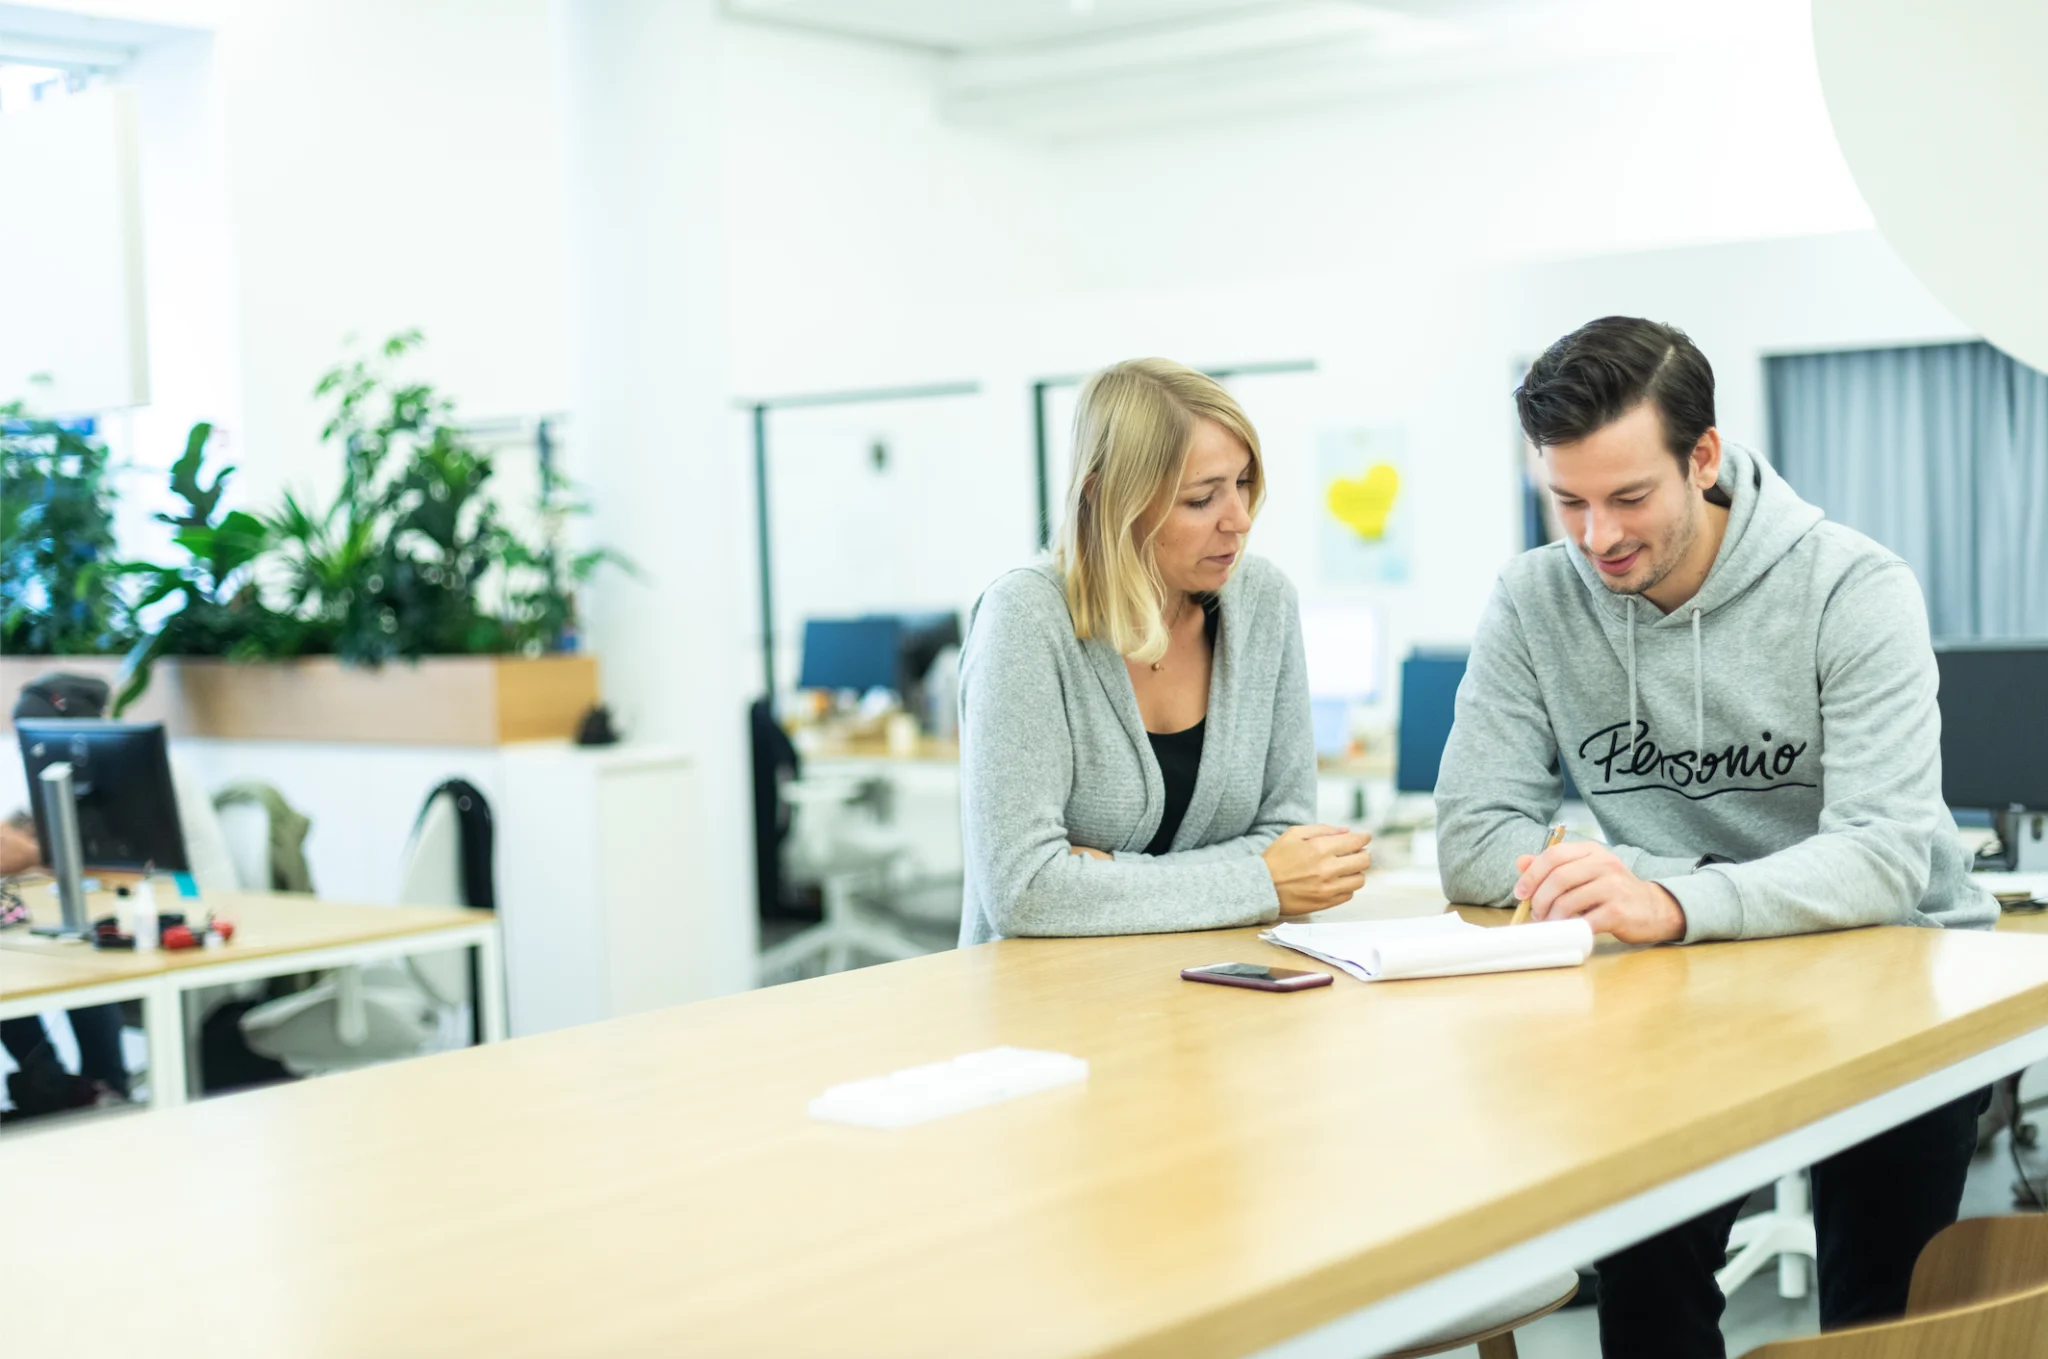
(438, 701)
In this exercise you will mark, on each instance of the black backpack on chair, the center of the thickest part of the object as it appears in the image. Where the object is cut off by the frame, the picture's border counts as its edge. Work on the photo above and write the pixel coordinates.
(479, 883)
(473, 816)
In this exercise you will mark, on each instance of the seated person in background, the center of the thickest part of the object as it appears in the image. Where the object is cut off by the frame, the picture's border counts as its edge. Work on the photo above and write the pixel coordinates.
(1135, 748)
(1746, 694)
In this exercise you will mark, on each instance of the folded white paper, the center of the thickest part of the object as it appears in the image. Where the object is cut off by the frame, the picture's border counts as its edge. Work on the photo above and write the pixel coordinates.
(919, 1094)
(1436, 946)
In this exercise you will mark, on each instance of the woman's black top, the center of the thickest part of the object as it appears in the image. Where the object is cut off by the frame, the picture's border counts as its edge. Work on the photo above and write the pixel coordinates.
(1180, 757)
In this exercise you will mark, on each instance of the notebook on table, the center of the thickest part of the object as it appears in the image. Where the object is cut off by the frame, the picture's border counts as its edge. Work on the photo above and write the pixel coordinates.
(1436, 946)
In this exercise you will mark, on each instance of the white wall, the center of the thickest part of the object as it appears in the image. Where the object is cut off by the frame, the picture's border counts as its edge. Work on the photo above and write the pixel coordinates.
(1741, 303)
(361, 165)
(1414, 246)
(71, 255)
(315, 170)
(867, 242)
(373, 166)
(391, 165)
(189, 264)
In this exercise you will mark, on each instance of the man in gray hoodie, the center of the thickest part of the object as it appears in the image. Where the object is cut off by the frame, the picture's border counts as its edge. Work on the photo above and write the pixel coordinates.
(1745, 695)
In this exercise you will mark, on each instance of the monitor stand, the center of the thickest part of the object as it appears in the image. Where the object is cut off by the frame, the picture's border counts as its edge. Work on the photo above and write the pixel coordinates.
(2024, 834)
(60, 813)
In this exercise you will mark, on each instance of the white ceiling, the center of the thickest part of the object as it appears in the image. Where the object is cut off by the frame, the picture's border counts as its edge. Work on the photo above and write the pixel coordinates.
(977, 25)
(46, 35)
(1059, 68)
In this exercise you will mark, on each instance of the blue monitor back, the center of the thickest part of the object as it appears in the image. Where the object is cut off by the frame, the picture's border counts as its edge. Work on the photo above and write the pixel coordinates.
(1429, 703)
(1429, 700)
(850, 653)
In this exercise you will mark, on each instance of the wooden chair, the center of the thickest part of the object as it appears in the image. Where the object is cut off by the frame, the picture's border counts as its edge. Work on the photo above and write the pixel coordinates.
(1493, 1332)
(2011, 1327)
(1978, 1259)
(1980, 1288)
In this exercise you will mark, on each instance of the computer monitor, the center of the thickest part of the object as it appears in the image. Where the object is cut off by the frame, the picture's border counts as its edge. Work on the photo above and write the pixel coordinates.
(121, 778)
(1994, 724)
(852, 653)
(1429, 705)
(1429, 702)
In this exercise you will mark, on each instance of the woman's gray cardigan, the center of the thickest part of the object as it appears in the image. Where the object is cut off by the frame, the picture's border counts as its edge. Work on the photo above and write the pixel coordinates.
(1053, 754)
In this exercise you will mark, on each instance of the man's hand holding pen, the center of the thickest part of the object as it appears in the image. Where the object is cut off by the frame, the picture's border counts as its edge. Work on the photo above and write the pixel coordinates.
(1583, 878)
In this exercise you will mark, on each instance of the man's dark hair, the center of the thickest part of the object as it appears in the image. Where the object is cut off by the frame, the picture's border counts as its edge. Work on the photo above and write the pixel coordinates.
(1599, 372)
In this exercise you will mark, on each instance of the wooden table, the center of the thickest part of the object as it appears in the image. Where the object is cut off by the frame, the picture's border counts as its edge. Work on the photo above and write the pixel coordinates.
(1323, 1173)
(276, 933)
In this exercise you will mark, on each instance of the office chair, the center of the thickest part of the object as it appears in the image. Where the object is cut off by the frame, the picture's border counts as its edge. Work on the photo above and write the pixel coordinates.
(358, 1016)
(840, 842)
(826, 829)
(1783, 1232)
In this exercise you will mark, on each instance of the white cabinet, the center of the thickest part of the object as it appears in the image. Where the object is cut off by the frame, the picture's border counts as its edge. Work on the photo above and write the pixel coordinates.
(591, 846)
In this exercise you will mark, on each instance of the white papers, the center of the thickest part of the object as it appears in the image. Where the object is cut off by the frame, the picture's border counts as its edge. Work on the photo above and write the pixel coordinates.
(1436, 946)
(919, 1094)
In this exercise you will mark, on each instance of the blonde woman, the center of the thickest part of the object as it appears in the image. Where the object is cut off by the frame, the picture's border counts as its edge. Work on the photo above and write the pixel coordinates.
(1135, 747)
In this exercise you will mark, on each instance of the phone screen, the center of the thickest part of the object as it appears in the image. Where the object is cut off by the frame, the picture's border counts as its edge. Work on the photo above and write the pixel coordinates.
(1253, 971)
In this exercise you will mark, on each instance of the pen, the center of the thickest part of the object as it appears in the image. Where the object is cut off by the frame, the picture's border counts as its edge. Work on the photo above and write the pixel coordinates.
(1521, 906)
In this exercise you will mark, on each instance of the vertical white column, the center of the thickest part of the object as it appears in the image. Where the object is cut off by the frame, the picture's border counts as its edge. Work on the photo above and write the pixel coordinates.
(651, 431)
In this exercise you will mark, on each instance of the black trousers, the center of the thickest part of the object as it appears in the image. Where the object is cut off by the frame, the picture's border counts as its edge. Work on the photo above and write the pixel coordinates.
(98, 1031)
(1874, 1206)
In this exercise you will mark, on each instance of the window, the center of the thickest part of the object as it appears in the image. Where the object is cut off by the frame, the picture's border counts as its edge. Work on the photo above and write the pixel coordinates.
(1940, 452)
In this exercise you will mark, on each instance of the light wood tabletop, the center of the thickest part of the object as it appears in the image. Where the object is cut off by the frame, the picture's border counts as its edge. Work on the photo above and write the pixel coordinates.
(1238, 1168)
(24, 974)
(266, 924)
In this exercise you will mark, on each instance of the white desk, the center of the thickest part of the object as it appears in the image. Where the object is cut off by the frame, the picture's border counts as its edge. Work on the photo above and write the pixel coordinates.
(276, 934)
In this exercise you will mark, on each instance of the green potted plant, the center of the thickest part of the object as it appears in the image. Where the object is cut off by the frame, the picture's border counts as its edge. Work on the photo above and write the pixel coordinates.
(220, 609)
(60, 587)
(411, 561)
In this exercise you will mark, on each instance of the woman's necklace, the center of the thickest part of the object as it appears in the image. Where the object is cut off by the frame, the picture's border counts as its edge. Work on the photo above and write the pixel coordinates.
(1178, 614)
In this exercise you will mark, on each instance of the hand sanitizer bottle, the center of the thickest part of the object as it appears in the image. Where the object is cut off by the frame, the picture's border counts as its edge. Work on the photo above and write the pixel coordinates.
(145, 914)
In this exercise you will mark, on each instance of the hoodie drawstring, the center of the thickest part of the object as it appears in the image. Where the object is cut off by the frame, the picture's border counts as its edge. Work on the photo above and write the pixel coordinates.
(1699, 683)
(1699, 687)
(1631, 681)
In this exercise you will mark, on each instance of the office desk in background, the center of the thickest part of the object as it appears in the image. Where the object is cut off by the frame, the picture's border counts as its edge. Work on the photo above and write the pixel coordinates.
(1325, 1173)
(276, 934)
(924, 787)
(922, 798)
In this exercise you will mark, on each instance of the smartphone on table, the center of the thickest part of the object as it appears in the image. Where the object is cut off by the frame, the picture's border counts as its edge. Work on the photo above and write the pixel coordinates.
(1257, 976)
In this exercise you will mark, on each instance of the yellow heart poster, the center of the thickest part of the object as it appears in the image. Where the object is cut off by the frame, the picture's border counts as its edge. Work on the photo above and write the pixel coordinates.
(1363, 503)
(1363, 530)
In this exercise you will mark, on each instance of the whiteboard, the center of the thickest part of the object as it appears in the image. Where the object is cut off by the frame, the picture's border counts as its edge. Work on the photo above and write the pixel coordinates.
(71, 287)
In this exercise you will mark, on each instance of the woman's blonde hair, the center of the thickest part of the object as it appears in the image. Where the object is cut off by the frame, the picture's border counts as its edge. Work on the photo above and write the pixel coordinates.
(1132, 430)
